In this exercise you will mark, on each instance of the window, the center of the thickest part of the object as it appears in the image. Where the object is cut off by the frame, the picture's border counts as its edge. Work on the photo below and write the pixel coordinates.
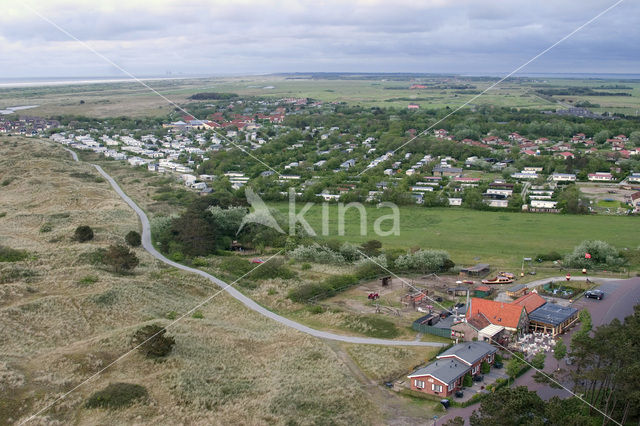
(419, 384)
(474, 370)
(436, 388)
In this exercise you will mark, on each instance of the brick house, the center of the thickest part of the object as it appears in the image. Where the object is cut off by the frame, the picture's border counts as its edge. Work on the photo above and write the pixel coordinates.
(445, 375)
(512, 317)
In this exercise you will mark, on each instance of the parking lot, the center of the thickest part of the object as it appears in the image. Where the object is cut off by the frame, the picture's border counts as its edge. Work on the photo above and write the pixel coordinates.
(619, 299)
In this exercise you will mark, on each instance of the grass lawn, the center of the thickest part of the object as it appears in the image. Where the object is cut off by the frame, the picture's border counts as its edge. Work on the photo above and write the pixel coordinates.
(499, 238)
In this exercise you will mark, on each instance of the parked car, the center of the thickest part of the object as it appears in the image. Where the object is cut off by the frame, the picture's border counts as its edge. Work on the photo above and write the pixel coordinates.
(459, 394)
(478, 378)
(594, 294)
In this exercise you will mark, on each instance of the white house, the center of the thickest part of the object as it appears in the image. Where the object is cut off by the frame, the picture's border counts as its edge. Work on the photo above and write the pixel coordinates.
(563, 177)
(543, 204)
(455, 201)
(600, 177)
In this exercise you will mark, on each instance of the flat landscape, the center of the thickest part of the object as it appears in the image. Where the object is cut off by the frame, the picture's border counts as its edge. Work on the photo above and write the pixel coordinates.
(498, 238)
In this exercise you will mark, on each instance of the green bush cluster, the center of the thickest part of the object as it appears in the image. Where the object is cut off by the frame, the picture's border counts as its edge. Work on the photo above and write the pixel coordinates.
(7, 254)
(327, 288)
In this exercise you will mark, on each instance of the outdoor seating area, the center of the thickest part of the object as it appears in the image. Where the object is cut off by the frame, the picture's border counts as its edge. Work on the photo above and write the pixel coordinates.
(531, 344)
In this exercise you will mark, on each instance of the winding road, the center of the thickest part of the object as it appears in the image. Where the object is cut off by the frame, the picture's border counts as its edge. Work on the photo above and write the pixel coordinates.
(248, 302)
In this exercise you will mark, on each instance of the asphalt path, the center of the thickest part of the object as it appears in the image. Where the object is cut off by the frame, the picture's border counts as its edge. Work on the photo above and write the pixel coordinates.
(248, 302)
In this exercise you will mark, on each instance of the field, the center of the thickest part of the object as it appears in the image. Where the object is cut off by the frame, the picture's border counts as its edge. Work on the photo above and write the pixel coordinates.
(134, 100)
(499, 238)
(64, 318)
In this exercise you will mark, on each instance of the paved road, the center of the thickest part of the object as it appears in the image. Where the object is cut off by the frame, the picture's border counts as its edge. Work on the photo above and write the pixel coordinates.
(248, 302)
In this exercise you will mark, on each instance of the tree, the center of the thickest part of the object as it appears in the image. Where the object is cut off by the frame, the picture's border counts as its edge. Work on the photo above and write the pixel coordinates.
(83, 234)
(371, 247)
(559, 351)
(133, 239)
(514, 366)
(152, 341)
(601, 136)
(120, 258)
(538, 360)
(600, 255)
(507, 406)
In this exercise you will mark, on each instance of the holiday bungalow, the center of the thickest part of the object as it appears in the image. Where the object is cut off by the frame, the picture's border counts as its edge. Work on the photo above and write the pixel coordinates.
(445, 375)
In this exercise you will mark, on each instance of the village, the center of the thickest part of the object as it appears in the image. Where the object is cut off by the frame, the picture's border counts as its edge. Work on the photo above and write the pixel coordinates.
(517, 174)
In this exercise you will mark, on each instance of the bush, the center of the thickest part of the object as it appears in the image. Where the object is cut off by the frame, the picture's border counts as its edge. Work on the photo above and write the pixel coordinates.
(116, 395)
(305, 266)
(549, 257)
(603, 255)
(467, 382)
(317, 254)
(538, 360)
(120, 258)
(46, 228)
(485, 368)
(153, 342)
(83, 234)
(197, 315)
(88, 279)
(327, 288)
(8, 254)
(424, 261)
(133, 239)
(273, 268)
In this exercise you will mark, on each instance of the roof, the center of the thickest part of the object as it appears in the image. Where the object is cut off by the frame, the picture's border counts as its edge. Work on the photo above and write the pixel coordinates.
(499, 313)
(517, 287)
(446, 371)
(531, 301)
(552, 314)
(482, 288)
(477, 268)
(492, 330)
(478, 321)
(469, 352)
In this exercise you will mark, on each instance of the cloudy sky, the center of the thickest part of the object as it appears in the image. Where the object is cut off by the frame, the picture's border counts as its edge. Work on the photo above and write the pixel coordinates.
(212, 37)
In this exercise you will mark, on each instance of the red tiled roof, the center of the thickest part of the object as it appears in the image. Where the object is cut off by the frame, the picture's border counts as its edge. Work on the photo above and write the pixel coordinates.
(478, 321)
(499, 313)
(530, 302)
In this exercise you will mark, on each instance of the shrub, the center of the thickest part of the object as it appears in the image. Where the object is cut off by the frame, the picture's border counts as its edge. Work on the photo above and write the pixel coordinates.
(197, 315)
(116, 395)
(327, 288)
(305, 266)
(83, 234)
(199, 262)
(7, 254)
(88, 279)
(120, 258)
(538, 360)
(153, 341)
(273, 268)
(603, 255)
(549, 257)
(425, 261)
(467, 382)
(46, 228)
(3, 214)
(133, 239)
(317, 254)
(172, 315)
(485, 368)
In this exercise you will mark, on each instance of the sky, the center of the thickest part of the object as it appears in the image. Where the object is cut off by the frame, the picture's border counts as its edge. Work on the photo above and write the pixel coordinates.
(235, 37)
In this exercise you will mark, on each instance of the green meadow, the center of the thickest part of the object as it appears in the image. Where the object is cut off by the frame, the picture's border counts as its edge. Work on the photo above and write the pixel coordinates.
(470, 236)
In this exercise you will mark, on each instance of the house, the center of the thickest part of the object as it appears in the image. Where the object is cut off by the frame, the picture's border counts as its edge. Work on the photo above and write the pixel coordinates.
(444, 376)
(455, 201)
(517, 290)
(543, 204)
(482, 291)
(564, 155)
(512, 317)
(447, 171)
(553, 319)
(479, 270)
(473, 354)
(634, 178)
(563, 177)
(600, 177)
(439, 378)
(530, 302)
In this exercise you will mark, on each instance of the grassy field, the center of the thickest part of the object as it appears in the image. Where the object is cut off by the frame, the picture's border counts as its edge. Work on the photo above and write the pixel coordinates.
(65, 318)
(498, 238)
(134, 100)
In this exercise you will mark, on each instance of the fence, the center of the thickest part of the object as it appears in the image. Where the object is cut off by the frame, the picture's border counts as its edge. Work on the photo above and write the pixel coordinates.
(429, 329)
